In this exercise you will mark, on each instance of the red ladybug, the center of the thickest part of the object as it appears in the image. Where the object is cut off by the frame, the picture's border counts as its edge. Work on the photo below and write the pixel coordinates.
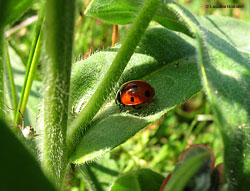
(135, 93)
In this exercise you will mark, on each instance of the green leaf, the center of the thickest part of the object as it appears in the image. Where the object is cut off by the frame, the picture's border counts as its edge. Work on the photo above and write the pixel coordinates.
(139, 180)
(117, 12)
(185, 172)
(169, 20)
(11, 10)
(173, 84)
(157, 48)
(125, 11)
(239, 37)
(19, 170)
(201, 179)
(227, 73)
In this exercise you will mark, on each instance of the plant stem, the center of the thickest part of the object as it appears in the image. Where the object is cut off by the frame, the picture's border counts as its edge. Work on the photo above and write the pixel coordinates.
(113, 74)
(60, 22)
(115, 35)
(2, 114)
(12, 83)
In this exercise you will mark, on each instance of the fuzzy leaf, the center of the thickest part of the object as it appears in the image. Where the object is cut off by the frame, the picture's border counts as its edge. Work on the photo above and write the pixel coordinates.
(173, 85)
(239, 37)
(227, 73)
(140, 180)
(125, 11)
(155, 43)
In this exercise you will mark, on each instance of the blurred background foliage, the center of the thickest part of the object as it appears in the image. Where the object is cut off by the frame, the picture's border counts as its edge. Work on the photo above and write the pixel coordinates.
(158, 146)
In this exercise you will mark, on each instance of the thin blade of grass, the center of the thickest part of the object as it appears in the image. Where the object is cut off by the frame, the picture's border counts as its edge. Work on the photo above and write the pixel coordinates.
(12, 83)
(31, 66)
(2, 115)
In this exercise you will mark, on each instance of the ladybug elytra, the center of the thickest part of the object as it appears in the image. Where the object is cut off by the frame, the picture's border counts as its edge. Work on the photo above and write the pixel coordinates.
(135, 93)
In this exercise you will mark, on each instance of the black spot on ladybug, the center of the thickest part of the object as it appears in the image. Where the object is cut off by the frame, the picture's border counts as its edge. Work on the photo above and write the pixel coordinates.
(147, 93)
(135, 87)
(132, 99)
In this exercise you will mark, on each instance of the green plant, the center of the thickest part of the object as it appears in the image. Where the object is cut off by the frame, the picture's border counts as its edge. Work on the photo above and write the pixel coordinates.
(79, 120)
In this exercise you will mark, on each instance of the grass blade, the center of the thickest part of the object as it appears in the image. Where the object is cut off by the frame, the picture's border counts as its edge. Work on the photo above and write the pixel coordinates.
(31, 66)
(12, 83)
(2, 115)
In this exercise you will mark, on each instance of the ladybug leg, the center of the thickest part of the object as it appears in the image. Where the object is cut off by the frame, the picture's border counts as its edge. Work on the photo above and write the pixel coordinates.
(136, 106)
(154, 100)
(121, 106)
(117, 103)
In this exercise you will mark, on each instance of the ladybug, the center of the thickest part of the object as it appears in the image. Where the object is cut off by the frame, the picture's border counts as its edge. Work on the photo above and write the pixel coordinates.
(134, 93)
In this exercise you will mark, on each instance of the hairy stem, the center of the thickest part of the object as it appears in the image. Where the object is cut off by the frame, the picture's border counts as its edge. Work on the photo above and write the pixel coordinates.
(113, 74)
(60, 18)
